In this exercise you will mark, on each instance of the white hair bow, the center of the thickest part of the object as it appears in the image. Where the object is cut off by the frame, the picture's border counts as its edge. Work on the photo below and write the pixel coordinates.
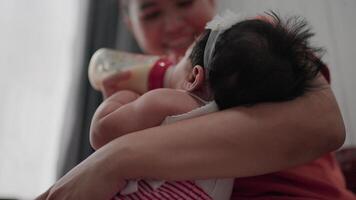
(218, 25)
(224, 21)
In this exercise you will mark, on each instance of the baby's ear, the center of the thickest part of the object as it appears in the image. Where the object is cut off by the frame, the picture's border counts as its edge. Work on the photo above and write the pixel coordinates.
(195, 80)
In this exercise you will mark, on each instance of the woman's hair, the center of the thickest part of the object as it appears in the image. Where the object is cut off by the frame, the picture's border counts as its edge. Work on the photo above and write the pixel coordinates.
(123, 6)
(259, 60)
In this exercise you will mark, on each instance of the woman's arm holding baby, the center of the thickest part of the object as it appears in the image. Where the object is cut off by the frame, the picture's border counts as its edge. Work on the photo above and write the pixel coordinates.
(236, 142)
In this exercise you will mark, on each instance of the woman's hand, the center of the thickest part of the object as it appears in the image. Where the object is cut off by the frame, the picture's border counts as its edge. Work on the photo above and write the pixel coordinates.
(111, 84)
(91, 179)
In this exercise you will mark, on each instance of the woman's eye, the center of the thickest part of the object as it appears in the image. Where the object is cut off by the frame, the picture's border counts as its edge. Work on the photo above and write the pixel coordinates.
(185, 3)
(151, 16)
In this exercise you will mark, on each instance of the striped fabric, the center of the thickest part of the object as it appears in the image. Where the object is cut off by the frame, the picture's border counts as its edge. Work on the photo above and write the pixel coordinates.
(170, 190)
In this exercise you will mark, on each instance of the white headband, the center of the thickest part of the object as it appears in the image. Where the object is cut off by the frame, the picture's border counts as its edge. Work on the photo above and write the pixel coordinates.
(218, 25)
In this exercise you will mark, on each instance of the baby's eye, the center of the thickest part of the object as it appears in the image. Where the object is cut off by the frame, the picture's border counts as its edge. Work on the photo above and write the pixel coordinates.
(185, 3)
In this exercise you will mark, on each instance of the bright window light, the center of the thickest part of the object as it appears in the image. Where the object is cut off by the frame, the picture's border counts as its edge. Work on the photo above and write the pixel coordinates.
(40, 46)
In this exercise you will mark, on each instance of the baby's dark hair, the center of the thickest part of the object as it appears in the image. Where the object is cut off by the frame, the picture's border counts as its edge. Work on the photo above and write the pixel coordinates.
(259, 60)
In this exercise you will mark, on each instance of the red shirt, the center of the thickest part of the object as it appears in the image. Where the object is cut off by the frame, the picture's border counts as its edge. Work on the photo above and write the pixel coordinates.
(319, 179)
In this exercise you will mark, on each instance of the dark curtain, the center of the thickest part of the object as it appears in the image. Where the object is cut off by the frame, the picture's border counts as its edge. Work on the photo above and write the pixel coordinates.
(104, 29)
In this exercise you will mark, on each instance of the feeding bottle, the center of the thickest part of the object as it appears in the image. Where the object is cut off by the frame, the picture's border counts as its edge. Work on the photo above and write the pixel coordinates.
(146, 71)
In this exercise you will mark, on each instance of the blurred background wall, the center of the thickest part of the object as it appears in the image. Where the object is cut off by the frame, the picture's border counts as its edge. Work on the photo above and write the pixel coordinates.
(41, 51)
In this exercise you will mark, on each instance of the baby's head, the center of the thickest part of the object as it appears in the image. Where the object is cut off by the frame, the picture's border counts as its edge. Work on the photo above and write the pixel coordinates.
(256, 60)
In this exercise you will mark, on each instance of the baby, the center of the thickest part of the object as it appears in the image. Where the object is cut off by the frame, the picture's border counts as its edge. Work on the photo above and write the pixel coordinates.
(234, 63)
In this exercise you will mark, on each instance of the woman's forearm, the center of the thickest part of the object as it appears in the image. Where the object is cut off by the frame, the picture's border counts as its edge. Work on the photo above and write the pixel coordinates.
(234, 143)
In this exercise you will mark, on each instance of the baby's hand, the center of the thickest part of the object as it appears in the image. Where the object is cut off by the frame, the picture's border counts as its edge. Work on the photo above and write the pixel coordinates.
(111, 84)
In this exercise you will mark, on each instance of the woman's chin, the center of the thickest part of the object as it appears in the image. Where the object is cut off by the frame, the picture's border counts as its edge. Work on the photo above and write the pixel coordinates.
(176, 53)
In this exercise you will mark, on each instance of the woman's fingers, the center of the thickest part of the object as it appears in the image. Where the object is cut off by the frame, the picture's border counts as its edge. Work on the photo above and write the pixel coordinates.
(115, 78)
(111, 84)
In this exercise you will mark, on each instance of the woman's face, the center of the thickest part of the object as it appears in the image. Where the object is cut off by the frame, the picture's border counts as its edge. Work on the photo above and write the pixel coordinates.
(168, 26)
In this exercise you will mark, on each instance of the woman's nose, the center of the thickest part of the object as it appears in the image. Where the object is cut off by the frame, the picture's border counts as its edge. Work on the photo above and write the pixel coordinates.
(173, 22)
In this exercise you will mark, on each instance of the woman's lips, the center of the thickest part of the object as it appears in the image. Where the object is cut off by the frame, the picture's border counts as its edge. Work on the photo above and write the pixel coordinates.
(179, 43)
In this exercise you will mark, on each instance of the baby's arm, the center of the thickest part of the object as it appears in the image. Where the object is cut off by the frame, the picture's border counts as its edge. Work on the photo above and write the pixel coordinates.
(110, 105)
(126, 112)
